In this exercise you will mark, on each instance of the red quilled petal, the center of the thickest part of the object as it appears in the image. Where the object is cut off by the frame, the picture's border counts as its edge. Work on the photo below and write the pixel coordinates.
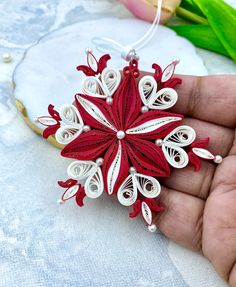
(200, 143)
(102, 63)
(171, 83)
(147, 158)
(51, 130)
(162, 131)
(158, 72)
(127, 102)
(86, 70)
(194, 161)
(153, 205)
(68, 183)
(136, 209)
(80, 195)
(102, 106)
(109, 158)
(88, 146)
(54, 113)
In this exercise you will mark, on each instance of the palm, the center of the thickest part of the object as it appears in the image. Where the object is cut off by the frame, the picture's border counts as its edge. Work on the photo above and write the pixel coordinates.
(201, 206)
(219, 220)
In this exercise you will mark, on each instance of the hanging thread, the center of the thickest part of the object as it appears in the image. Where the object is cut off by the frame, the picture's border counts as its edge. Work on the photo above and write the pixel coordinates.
(129, 52)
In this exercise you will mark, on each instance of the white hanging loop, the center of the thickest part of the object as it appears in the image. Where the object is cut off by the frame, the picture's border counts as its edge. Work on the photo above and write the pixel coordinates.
(128, 52)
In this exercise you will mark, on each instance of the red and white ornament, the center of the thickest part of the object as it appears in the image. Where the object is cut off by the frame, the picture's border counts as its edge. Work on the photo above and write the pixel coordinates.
(122, 139)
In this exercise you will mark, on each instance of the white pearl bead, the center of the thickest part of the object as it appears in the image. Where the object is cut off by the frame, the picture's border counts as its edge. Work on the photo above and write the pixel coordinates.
(6, 58)
(120, 135)
(88, 50)
(218, 159)
(60, 201)
(144, 109)
(109, 100)
(159, 142)
(176, 60)
(152, 228)
(132, 170)
(99, 161)
(86, 128)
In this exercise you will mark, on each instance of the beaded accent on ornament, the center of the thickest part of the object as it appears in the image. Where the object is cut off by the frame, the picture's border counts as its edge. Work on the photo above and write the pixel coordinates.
(122, 139)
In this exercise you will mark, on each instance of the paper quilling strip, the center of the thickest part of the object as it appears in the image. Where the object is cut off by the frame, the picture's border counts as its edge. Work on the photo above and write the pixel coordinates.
(121, 136)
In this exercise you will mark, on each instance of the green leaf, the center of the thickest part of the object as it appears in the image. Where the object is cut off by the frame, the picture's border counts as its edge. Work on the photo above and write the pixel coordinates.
(192, 7)
(201, 36)
(192, 17)
(222, 19)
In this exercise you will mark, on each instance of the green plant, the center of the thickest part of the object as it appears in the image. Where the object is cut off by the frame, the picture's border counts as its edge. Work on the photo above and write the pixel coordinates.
(212, 25)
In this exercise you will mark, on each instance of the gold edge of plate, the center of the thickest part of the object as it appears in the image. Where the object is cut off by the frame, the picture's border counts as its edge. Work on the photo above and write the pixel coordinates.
(23, 111)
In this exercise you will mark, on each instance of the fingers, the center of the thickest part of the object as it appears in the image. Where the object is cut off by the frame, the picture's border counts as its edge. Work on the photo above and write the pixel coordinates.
(198, 183)
(182, 219)
(233, 149)
(232, 276)
(194, 183)
(210, 98)
(219, 229)
(221, 138)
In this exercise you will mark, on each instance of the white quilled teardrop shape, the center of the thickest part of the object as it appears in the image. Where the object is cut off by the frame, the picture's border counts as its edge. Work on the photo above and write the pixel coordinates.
(47, 121)
(146, 213)
(92, 62)
(71, 116)
(110, 80)
(127, 193)
(66, 134)
(70, 192)
(147, 89)
(94, 184)
(93, 87)
(163, 99)
(95, 112)
(74, 124)
(153, 99)
(152, 125)
(203, 153)
(102, 87)
(81, 170)
(147, 185)
(114, 170)
(168, 72)
(181, 136)
(175, 155)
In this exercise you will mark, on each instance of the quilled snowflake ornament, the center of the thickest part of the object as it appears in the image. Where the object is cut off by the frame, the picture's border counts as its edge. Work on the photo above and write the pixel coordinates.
(121, 136)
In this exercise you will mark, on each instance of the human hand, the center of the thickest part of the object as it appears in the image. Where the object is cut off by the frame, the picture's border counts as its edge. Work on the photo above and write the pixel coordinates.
(200, 207)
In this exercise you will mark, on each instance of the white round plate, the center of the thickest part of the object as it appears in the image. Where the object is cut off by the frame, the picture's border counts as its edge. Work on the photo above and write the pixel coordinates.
(47, 74)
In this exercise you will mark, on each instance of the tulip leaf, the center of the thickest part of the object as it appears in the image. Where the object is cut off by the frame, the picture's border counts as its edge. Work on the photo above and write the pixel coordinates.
(190, 16)
(222, 19)
(192, 7)
(202, 36)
